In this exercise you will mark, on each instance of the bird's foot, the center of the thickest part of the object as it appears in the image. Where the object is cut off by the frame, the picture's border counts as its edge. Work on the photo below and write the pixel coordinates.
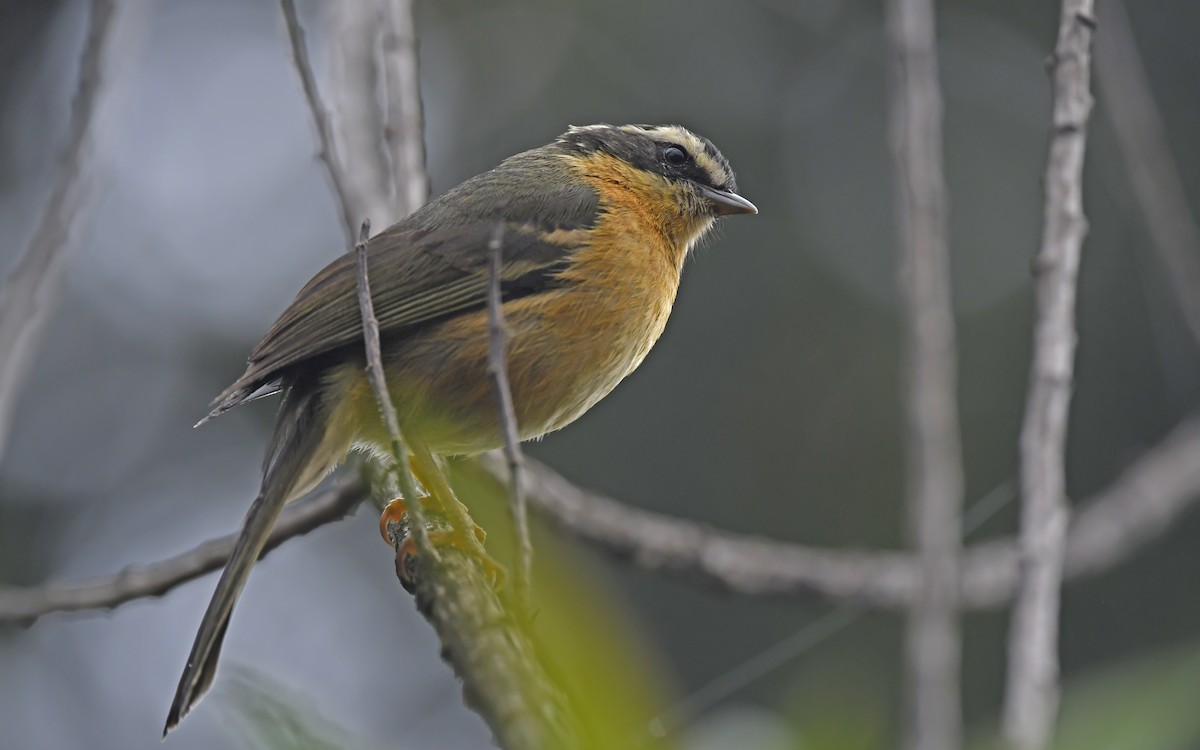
(408, 558)
(396, 511)
(441, 534)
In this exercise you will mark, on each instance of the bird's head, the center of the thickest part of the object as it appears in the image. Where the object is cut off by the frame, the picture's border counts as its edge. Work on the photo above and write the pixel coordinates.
(677, 176)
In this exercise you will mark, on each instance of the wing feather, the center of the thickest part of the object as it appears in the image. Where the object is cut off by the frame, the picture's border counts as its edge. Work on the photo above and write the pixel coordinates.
(417, 277)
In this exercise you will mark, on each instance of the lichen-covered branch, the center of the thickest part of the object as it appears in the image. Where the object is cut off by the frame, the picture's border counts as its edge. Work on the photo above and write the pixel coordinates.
(492, 651)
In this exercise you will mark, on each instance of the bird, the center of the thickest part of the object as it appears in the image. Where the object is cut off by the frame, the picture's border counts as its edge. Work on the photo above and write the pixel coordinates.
(595, 228)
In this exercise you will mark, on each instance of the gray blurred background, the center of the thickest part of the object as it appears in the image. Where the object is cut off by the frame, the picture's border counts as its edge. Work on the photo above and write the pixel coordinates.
(770, 405)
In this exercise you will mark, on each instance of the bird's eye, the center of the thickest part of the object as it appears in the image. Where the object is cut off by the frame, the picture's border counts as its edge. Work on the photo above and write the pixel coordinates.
(675, 156)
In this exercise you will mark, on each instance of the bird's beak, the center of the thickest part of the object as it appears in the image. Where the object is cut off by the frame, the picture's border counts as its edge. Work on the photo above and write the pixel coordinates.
(725, 203)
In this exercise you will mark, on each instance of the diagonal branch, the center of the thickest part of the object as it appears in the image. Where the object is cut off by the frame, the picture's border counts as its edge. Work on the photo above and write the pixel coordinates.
(737, 563)
(156, 579)
(1108, 528)
(1031, 699)
(934, 453)
(27, 296)
(492, 652)
(322, 119)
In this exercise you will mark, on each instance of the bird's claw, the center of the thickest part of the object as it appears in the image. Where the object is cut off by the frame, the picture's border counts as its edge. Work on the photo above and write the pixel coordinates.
(396, 511)
(440, 534)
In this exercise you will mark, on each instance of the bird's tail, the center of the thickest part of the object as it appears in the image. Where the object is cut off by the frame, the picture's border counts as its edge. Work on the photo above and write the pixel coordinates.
(293, 465)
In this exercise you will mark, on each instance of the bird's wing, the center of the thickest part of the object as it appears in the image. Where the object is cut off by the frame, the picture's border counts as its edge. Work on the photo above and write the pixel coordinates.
(415, 277)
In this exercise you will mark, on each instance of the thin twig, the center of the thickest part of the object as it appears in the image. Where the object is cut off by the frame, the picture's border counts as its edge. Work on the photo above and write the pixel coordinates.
(156, 579)
(934, 453)
(1031, 699)
(1130, 107)
(408, 485)
(751, 670)
(27, 296)
(322, 119)
(498, 338)
(403, 126)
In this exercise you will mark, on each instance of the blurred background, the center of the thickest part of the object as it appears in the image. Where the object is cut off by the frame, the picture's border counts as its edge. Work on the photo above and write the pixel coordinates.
(770, 406)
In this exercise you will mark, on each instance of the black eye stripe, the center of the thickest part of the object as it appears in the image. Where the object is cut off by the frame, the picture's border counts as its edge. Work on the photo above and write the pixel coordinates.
(645, 150)
(696, 173)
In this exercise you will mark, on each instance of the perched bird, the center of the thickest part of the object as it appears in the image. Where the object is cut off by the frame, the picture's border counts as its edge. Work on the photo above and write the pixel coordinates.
(596, 227)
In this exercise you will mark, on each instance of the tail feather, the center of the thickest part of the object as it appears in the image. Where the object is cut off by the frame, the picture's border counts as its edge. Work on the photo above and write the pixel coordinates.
(201, 665)
(293, 468)
(238, 394)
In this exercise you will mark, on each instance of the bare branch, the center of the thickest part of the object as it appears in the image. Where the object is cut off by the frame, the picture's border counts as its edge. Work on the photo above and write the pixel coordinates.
(935, 483)
(732, 562)
(26, 298)
(1141, 504)
(1109, 528)
(356, 30)
(1031, 700)
(156, 579)
(1135, 117)
(498, 337)
(347, 208)
(403, 127)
